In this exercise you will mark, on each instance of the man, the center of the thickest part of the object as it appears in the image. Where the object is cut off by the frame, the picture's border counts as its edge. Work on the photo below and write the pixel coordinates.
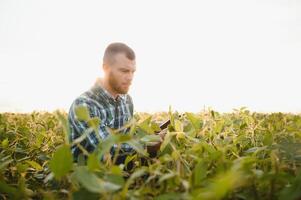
(107, 99)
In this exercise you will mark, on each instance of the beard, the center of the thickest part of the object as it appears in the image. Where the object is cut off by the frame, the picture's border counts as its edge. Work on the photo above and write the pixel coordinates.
(116, 86)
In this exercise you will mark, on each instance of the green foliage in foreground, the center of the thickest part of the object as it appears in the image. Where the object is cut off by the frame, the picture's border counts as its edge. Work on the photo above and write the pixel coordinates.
(239, 155)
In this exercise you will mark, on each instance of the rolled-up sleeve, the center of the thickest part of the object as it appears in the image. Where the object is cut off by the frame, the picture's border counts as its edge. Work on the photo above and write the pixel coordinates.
(79, 127)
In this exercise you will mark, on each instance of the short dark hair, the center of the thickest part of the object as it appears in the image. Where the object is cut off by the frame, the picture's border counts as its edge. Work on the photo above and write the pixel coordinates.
(115, 48)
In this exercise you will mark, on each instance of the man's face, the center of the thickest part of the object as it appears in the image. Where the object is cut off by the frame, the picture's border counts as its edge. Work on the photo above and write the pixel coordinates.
(121, 73)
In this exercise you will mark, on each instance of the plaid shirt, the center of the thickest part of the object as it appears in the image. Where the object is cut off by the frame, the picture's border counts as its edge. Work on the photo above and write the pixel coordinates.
(113, 113)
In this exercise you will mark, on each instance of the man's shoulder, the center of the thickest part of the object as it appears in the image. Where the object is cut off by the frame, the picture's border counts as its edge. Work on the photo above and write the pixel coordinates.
(128, 99)
(86, 99)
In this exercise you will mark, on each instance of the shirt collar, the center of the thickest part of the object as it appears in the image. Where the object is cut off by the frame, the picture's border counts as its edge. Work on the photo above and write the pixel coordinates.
(101, 89)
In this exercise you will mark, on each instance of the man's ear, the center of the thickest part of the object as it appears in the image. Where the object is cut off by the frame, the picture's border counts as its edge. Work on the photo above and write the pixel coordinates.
(105, 67)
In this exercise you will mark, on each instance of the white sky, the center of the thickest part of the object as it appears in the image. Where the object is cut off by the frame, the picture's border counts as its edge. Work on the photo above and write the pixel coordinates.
(190, 54)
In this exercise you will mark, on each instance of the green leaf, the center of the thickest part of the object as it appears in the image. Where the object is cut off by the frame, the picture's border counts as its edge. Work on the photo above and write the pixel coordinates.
(255, 150)
(171, 116)
(175, 155)
(178, 126)
(293, 191)
(194, 120)
(145, 125)
(137, 147)
(64, 122)
(35, 165)
(268, 139)
(200, 171)
(93, 162)
(170, 196)
(12, 192)
(155, 127)
(116, 170)
(61, 162)
(82, 113)
(180, 135)
(83, 136)
(39, 139)
(129, 158)
(105, 145)
(4, 143)
(4, 164)
(22, 167)
(93, 183)
(122, 138)
(151, 138)
(224, 183)
(167, 176)
(85, 194)
(81, 160)
(116, 179)
(136, 174)
(94, 123)
(166, 140)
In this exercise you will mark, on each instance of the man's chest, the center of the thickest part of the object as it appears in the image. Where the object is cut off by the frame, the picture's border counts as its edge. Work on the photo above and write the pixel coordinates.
(116, 115)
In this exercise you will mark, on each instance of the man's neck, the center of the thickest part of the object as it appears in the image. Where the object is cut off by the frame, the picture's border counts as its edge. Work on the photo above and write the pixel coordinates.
(104, 84)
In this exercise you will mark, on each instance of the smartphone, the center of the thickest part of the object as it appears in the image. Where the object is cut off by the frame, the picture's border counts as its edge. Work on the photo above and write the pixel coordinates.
(165, 124)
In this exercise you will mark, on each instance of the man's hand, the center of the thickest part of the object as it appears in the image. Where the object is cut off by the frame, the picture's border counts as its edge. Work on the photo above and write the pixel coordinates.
(154, 147)
(162, 133)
